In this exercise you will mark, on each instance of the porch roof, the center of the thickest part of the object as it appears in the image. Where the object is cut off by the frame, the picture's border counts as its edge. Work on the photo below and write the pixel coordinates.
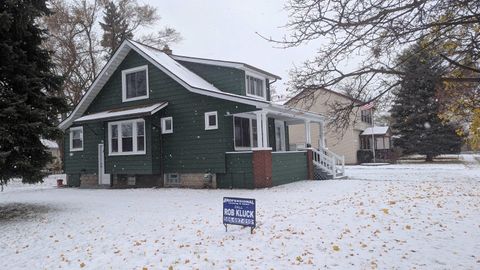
(148, 109)
(375, 131)
(293, 116)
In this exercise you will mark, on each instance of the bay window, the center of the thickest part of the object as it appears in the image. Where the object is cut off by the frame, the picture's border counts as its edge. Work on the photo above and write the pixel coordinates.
(126, 137)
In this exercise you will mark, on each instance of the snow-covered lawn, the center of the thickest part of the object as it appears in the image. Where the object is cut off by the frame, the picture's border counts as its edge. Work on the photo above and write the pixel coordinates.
(424, 216)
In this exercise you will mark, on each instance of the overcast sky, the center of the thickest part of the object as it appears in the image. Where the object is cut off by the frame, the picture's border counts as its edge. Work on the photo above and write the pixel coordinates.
(224, 29)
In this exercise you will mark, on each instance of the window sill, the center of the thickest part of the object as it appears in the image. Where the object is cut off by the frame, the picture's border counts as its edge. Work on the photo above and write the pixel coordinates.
(135, 98)
(76, 149)
(257, 97)
(127, 154)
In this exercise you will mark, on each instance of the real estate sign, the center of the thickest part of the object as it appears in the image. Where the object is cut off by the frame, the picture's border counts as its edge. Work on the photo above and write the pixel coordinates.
(239, 211)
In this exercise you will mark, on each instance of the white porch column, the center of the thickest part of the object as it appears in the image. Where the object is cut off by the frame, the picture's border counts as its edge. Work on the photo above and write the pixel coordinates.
(259, 129)
(321, 138)
(265, 129)
(308, 135)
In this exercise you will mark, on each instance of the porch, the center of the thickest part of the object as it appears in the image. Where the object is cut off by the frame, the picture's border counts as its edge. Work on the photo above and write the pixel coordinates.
(262, 157)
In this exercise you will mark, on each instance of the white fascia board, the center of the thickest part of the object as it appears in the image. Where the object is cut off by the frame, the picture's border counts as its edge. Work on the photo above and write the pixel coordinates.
(96, 86)
(295, 113)
(222, 63)
(217, 94)
(109, 114)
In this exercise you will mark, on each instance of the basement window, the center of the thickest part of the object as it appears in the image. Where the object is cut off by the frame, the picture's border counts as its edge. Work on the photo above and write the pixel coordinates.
(135, 83)
(126, 137)
(172, 179)
(76, 139)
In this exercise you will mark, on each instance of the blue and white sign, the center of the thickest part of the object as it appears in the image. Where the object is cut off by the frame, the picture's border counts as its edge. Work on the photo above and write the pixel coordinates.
(239, 211)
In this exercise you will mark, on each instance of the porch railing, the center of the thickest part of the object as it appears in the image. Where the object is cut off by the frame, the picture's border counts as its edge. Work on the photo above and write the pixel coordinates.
(328, 161)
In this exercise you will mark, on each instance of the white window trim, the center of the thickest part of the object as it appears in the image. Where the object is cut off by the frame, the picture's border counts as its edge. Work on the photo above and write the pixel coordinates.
(124, 85)
(207, 122)
(162, 124)
(71, 139)
(134, 138)
(257, 76)
(244, 148)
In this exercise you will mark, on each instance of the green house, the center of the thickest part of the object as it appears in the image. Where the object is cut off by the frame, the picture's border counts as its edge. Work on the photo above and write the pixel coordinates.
(156, 119)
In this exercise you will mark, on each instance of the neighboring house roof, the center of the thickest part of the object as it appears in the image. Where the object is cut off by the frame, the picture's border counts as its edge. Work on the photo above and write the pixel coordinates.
(232, 64)
(49, 144)
(302, 93)
(165, 63)
(375, 131)
(131, 111)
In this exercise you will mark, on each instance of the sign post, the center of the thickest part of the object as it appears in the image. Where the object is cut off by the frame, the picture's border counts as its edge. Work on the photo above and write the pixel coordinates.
(239, 211)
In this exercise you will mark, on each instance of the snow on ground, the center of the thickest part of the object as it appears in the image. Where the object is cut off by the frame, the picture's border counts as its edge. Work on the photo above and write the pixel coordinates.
(424, 216)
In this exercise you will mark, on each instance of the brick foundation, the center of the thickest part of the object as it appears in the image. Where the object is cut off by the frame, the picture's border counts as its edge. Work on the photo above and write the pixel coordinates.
(310, 164)
(262, 168)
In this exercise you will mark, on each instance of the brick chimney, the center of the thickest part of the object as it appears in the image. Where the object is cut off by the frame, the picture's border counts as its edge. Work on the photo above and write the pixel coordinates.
(167, 50)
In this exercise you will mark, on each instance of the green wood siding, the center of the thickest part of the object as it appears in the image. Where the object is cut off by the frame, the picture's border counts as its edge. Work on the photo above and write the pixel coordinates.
(85, 161)
(227, 79)
(239, 172)
(190, 148)
(288, 167)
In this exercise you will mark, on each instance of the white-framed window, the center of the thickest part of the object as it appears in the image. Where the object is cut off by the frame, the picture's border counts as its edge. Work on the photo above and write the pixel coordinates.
(76, 139)
(167, 125)
(255, 86)
(245, 133)
(126, 137)
(135, 83)
(211, 120)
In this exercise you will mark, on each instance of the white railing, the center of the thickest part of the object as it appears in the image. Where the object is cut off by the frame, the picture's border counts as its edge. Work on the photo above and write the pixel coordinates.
(329, 161)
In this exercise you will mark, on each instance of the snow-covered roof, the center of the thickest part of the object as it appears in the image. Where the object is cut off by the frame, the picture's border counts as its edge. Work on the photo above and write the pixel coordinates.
(375, 131)
(232, 64)
(176, 68)
(139, 110)
(165, 63)
(49, 144)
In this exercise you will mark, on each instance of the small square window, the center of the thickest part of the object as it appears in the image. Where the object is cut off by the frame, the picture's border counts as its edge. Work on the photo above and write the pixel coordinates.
(211, 120)
(167, 125)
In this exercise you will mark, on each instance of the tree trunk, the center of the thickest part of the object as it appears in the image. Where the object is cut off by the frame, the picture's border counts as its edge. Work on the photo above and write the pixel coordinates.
(429, 158)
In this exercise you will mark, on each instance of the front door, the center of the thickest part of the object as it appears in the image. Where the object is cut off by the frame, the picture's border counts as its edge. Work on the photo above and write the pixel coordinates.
(280, 135)
(103, 178)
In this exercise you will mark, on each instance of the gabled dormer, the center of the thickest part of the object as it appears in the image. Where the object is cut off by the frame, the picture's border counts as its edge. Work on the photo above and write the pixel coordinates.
(232, 77)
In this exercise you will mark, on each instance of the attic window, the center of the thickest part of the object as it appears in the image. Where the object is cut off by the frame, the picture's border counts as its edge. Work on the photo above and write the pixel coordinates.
(255, 87)
(135, 83)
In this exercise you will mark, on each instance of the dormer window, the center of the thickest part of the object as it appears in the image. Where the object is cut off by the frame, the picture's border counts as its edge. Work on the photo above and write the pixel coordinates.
(135, 83)
(255, 87)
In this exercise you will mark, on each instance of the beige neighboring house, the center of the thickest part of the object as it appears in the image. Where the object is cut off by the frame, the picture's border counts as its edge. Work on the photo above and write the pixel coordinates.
(56, 164)
(346, 145)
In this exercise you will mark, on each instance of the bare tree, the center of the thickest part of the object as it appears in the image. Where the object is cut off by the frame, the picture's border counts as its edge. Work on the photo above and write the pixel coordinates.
(374, 33)
(75, 45)
(123, 18)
